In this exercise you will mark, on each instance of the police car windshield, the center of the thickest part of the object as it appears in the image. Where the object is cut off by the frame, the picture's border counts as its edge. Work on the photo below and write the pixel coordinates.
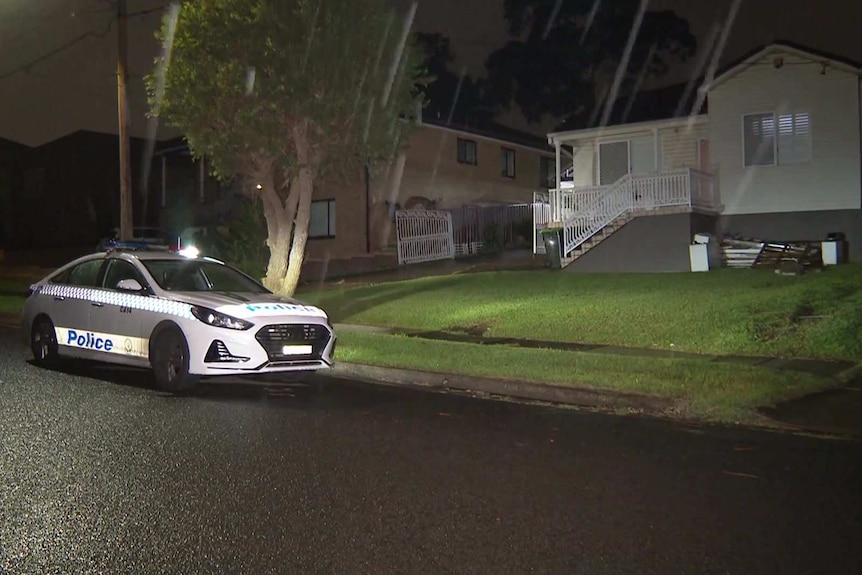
(200, 275)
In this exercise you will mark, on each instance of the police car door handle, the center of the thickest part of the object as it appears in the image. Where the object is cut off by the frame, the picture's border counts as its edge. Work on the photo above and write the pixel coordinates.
(97, 303)
(59, 298)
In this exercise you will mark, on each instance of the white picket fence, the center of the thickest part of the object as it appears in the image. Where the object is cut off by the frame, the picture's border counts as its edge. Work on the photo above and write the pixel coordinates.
(424, 236)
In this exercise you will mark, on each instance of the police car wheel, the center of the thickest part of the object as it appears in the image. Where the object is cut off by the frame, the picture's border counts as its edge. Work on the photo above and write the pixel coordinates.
(43, 340)
(170, 361)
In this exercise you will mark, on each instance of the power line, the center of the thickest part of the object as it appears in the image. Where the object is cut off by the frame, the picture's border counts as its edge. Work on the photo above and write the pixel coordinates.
(55, 51)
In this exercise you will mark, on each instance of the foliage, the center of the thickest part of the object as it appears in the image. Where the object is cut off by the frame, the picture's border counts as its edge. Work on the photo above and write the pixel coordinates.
(458, 98)
(728, 311)
(564, 51)
(243, 243)
(492, 240)
(286, 93)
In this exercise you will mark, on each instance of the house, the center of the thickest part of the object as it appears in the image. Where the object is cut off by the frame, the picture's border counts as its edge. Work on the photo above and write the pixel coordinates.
(442, 166)
(770, 149)
(65, 193)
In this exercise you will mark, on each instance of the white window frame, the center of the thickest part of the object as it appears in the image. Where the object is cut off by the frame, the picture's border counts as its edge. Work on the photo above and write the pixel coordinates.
(776, 148)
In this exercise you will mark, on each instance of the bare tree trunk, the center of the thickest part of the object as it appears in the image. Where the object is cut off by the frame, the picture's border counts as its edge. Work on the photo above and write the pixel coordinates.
(300, 231)
(278, 227)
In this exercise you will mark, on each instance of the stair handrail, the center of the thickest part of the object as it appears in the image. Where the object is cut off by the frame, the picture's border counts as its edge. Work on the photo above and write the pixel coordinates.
(598, 214)
(620, 199)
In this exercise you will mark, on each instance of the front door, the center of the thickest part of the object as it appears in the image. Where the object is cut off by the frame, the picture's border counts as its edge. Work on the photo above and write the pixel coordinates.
(70, 310)
(116, 316)
(703, 156)
(635, 156)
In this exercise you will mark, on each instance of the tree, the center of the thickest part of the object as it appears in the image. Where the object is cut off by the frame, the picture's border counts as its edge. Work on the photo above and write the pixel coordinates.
(566, 53)
(285, 93)
(458, 98)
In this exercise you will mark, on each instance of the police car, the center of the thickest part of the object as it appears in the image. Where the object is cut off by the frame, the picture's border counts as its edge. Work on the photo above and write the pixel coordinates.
(180, 314)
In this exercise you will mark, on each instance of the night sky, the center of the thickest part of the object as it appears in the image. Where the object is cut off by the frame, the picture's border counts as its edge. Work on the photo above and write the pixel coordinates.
(76, 87)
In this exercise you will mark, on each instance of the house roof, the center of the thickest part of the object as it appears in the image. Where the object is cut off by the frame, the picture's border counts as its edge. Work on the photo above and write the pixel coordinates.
(673, 101)
(630, 128)
(493, 131)
(747, 60)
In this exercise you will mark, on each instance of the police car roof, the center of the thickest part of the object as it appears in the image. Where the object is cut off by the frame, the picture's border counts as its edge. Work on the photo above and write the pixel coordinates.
(154, 255)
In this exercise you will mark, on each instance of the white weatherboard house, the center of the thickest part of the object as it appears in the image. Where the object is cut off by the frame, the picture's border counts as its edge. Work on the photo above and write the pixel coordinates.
(776, 157)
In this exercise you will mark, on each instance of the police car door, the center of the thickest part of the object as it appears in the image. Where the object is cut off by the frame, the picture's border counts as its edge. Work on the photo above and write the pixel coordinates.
(69, 310)
(115, 318)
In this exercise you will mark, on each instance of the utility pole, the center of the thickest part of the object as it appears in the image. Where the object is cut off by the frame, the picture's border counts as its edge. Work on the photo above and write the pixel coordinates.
(126, 221)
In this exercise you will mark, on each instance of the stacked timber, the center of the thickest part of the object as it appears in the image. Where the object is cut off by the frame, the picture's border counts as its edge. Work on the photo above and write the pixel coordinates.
(784, 257)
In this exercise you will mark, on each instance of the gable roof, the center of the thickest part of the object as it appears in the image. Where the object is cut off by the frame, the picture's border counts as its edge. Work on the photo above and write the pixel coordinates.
(749, 59)
(666, 103)
(492, 131)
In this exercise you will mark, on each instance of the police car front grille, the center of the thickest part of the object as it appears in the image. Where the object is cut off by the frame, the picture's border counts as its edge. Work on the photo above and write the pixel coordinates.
(273, 338)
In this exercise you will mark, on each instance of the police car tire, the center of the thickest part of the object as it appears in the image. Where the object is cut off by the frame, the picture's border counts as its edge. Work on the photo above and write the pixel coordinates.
(44, 328)
(166, 341)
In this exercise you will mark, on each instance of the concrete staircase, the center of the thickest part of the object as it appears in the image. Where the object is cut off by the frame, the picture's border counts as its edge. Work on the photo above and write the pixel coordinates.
(615, 226)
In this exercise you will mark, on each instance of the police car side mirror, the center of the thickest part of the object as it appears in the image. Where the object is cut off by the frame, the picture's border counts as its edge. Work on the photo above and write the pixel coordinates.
(130, 285)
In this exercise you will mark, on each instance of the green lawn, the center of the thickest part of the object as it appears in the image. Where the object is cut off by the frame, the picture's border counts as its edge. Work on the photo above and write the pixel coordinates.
(756, 312)
(12, 292)
(711, 391)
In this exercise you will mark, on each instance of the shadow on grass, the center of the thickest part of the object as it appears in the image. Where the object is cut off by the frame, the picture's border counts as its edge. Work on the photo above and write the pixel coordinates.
(345, 303)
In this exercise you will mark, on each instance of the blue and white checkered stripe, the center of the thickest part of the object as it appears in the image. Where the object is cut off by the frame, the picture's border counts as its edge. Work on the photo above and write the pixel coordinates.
(145, 303)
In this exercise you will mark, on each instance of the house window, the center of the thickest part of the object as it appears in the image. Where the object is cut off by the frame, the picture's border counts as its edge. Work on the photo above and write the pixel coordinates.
(547, 172)
(467, 152)
(794, 138)
(507, 158)
(770, 139)
(322, 222)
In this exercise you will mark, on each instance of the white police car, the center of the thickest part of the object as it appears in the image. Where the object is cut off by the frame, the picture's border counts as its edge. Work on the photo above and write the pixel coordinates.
(184, 316)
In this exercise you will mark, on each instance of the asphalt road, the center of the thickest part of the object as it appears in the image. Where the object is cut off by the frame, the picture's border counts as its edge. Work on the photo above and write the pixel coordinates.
(100, 473)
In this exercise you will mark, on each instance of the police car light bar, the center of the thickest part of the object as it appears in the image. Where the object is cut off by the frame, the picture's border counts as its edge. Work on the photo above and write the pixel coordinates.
(134, 246)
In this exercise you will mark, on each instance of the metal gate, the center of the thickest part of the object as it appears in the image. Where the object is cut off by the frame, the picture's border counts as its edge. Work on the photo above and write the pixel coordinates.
(424, 236)
(541, 218)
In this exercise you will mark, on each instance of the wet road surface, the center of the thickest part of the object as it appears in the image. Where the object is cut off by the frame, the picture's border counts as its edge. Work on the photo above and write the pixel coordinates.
(101, 473)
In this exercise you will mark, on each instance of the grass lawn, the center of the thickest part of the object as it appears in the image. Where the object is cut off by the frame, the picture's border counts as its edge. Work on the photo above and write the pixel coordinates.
(728, 311)
(12, 292)
(710, 391)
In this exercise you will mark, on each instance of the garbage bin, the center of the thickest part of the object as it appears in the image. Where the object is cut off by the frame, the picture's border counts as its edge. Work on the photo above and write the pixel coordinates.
(833, 249)
(552, 238)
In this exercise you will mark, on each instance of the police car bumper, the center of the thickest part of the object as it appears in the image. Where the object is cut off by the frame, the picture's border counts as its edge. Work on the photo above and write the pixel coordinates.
(269, 348)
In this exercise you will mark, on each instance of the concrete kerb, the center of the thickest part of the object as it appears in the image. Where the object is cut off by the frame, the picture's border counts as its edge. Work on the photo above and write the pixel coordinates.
(536, 391)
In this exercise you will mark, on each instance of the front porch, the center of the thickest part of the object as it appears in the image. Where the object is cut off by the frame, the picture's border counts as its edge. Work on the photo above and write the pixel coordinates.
(609, 176)
(590, 214)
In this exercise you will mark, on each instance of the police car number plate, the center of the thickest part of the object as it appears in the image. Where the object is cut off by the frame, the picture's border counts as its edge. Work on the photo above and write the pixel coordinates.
(296, 350)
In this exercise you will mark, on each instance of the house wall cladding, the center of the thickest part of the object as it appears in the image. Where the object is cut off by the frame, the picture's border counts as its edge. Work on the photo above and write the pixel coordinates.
(648, 244)
(679, 145)
(677, 149)
(799, 226)
(831, 181)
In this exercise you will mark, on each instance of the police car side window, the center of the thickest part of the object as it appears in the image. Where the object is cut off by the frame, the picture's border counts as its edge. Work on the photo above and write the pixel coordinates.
(119, 270)
(85, 274)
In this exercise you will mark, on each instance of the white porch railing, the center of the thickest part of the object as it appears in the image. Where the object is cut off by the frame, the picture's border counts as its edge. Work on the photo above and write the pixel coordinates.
(585, 211)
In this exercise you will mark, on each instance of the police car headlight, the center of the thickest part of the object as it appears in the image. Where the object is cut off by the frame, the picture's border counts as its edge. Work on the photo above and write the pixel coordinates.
(217, 319)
